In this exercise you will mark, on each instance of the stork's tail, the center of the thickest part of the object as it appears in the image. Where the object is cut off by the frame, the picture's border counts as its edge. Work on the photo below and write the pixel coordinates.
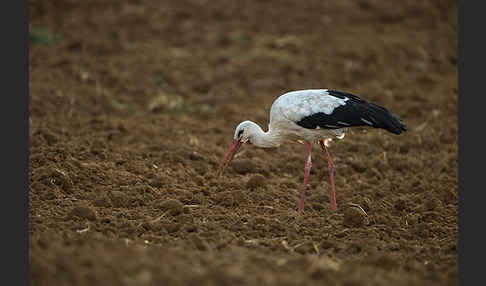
(382, 118)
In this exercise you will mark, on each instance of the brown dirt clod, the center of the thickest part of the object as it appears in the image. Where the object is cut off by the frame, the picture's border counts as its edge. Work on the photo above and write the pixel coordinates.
(353, 217)
(256, 181)
(172, 206)
(83, 212)
(243, 166)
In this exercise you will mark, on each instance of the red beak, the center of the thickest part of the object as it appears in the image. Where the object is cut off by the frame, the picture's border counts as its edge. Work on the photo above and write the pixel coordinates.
(228, 157)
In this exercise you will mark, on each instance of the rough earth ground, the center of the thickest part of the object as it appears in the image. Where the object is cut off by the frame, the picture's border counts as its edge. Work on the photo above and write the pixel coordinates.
(133, 103)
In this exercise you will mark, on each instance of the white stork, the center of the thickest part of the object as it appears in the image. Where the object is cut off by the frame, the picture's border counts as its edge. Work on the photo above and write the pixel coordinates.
(313, 115)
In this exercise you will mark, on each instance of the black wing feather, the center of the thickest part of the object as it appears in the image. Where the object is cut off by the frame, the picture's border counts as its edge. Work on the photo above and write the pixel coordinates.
(356, 112)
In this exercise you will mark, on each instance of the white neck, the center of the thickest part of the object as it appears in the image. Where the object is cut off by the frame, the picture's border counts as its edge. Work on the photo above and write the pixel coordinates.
(263, 139)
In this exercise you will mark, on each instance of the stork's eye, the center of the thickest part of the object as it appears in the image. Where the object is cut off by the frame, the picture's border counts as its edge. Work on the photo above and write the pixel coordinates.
(240, 133)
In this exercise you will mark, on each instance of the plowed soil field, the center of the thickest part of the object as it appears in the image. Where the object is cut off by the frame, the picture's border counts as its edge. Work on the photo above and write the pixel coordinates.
(132, 107)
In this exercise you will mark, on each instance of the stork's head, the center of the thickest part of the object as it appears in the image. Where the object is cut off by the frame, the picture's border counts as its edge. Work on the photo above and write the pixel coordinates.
(243, 133)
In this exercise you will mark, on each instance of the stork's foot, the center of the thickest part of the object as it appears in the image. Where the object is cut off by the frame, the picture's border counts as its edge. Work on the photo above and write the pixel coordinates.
(300, 212)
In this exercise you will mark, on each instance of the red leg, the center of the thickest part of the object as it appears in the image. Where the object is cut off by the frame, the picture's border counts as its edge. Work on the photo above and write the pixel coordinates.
(308, 165)
(330, 166)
